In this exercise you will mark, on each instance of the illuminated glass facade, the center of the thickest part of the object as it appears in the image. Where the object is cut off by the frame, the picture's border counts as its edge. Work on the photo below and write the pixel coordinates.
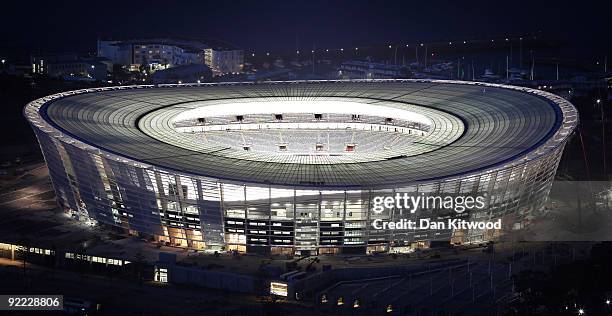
(102, 171)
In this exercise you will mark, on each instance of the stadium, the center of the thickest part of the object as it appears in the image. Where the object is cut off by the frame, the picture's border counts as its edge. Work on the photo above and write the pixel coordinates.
(292, 167)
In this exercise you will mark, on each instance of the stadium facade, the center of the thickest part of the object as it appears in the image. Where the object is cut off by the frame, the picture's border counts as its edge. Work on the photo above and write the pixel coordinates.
(292, 167)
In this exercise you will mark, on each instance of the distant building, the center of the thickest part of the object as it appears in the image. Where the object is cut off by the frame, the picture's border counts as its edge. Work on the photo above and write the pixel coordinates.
(163, 53)
(183, 74)
(40, 62)
(70, 66)
(276, 74)
(116, 51)
(79, 69)
(360, 69)
(224, 61)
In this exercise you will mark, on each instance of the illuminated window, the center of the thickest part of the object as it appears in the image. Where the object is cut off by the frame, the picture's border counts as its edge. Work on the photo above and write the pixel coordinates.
(161, 275)
(280, 289)
(389, 308)
(323, 298)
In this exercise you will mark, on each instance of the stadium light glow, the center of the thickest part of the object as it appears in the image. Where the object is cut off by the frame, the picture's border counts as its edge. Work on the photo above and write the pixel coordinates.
(290, 106)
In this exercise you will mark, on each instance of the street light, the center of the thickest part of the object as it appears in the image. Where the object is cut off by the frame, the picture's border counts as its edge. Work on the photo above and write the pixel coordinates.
(598, 101)
(581, 311)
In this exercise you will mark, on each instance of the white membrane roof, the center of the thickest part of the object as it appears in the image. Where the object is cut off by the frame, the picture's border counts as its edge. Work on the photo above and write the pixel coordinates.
(502, 126)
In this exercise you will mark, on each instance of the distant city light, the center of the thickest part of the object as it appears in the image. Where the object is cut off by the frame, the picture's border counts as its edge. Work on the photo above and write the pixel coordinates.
(607, 302)
(389, 308)
(267, 54)
(598, 101)
(297, 52)
(327, 50)
(356, 48)
(323, 298)
(407, 45)
(390, 46)
(450, 43)
(341, 49)
(253, 55)
(3, 61)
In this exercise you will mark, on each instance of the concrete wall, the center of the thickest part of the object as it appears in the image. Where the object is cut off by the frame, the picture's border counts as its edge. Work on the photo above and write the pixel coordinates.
(213, 279)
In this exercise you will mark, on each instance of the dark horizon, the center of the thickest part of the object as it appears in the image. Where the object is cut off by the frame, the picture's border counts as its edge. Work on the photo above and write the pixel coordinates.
(73, 26)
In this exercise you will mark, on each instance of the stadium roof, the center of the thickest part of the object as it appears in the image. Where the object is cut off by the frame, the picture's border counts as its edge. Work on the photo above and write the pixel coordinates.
(502, 126)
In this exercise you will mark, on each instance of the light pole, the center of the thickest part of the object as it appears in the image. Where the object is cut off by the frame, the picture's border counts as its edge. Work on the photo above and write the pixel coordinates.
(603, 135)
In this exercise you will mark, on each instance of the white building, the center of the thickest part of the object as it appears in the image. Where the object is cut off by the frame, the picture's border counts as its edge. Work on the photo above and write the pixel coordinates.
(163, 53)
(224, 61)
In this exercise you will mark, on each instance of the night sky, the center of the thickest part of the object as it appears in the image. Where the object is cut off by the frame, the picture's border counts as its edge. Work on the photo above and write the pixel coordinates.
(65, 26)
